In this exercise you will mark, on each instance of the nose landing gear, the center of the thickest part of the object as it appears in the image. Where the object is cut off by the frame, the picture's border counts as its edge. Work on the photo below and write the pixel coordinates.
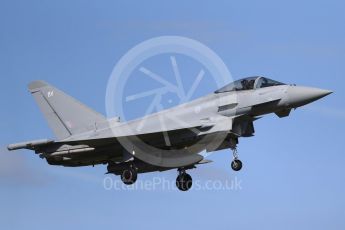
(236, 164)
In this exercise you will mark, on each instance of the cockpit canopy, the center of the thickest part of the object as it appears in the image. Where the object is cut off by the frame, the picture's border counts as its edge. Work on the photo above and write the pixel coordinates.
(248, 84)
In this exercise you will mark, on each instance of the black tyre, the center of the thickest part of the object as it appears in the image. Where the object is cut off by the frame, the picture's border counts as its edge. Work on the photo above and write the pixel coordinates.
(236, 165)
(129, 176)
(184, 182)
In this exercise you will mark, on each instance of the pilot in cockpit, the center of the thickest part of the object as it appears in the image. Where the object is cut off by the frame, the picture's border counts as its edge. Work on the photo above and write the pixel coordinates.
(246, 85)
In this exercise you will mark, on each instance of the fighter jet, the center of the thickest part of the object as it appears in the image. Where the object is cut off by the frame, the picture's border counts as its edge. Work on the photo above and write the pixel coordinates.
(170, 139)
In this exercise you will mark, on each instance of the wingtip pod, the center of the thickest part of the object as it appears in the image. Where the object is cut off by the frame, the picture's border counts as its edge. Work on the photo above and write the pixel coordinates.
(36, 85)
(29, 144)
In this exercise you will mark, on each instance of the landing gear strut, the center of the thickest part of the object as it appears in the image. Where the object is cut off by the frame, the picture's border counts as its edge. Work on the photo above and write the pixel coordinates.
(129, 176)
(236, 164)
(184, 181)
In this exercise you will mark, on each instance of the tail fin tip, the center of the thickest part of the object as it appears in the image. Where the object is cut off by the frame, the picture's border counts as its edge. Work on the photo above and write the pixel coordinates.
(65, 115)
(35, 85)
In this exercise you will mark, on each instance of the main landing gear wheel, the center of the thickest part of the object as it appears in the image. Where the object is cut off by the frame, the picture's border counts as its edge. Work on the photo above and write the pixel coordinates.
(236, 164)
(184, 181)
(129, 176)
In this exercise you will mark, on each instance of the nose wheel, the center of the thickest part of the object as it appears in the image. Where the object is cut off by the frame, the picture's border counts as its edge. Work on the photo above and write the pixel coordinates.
(184, 181)
(236, 164)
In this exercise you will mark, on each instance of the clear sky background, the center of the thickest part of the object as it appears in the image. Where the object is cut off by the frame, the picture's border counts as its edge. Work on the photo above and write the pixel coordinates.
(294, 172)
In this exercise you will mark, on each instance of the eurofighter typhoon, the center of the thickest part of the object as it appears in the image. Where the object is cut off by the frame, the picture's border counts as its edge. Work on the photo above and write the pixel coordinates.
(169, 139)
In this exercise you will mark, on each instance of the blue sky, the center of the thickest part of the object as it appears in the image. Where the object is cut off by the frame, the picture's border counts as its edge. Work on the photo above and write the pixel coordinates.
(294, 168)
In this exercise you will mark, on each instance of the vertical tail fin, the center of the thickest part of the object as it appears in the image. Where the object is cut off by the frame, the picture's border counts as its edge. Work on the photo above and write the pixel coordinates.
(65, 115)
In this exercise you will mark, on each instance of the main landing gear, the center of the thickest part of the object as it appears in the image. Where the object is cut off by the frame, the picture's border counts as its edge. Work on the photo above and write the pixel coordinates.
(129, 175)
(184, 181)
(236, 164)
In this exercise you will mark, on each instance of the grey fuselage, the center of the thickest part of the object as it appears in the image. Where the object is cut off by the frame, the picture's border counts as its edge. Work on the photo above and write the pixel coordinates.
(171, 138)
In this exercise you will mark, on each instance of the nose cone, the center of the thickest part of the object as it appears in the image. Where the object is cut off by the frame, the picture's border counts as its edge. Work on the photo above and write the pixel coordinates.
(299, 96)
